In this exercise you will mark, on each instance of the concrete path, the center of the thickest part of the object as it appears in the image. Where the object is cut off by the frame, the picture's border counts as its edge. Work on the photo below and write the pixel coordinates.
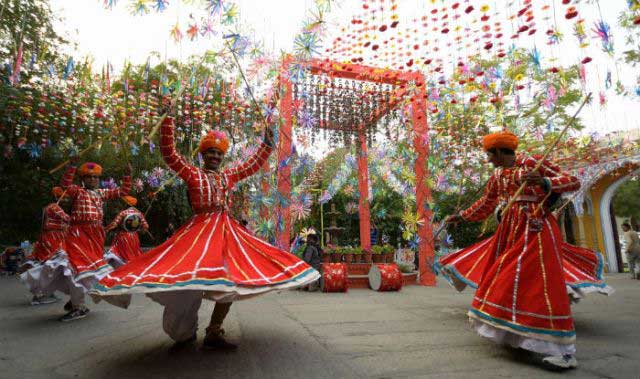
(419, 332)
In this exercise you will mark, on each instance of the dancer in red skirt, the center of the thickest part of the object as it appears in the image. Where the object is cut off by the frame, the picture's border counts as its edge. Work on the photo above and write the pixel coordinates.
(82, 260)
(523, 271)
(55, 223)
(126, 243)
(211, 256)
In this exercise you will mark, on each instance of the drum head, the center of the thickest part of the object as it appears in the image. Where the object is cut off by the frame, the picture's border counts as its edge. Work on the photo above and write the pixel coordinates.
(131, 223)
(375, 278)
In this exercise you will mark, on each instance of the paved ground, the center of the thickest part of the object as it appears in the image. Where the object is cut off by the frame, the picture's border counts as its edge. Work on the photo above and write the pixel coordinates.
(420, 333)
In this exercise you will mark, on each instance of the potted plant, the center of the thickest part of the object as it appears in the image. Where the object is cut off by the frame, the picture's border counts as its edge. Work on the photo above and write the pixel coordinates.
(347, 252)
(377, 256)
(389, 253)
(357, 254)
(367, 256)
(336, 257)
(328, 253)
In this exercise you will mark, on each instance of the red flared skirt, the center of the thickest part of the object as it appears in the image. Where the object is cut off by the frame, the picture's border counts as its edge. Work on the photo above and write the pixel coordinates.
(211, 253)
(520, 278)
(126, 245)
(582, 268)
(48, 244)
(84, 248)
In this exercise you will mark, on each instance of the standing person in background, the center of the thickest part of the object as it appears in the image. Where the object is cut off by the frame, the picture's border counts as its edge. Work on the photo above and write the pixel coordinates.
(632, 249)
(312, 255)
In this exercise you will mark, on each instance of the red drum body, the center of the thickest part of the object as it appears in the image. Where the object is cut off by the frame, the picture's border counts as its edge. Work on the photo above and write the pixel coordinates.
(334, 277)
(385, 277)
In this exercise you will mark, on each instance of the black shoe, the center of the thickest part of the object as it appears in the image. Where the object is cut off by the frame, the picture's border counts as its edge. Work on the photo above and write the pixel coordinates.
(179, 346)
(217, 342)
(75, 314)
(41, 300)
(68, 306)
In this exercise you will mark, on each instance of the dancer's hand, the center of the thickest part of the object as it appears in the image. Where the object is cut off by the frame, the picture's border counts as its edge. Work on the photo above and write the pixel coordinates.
(167, 107)
(453, 219)
(73, 160)
(268, 135)
(533, 178)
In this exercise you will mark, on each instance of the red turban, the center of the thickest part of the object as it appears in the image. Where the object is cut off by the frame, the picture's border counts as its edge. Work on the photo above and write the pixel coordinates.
(500, 140)
(214, 140)
(90, 168)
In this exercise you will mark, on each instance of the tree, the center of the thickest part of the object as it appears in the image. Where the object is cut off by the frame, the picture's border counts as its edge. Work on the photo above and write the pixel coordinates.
(28, 23)
(629, 20)
(43, 122)
(626, 200)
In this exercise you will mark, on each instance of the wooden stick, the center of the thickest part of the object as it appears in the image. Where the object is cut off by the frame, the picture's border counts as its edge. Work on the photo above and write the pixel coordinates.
(174, 101)
(569, 201)
(156, 127)
(62, 196)
(253, 99)
(548, 151)
(586, 100)
(150, 235)
(83, 152)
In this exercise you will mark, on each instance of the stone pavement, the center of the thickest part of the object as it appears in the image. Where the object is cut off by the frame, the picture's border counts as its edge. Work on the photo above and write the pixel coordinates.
(420, 332)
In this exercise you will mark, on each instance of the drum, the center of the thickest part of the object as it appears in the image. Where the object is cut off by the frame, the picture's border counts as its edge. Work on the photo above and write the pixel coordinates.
(334, 277)
(385, 277)
(131, 223)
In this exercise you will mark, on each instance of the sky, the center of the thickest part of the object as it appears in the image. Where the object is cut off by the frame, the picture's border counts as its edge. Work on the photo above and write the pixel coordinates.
(117, 36)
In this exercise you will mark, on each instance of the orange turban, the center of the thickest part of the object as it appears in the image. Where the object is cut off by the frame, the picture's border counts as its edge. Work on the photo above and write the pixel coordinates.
(214, 140)
(132, 201)
(500, 140)
(57, 192)
(90, 168)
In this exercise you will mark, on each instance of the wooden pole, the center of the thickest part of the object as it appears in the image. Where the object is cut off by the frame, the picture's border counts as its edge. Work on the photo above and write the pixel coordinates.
(81, 153)
(548, 151)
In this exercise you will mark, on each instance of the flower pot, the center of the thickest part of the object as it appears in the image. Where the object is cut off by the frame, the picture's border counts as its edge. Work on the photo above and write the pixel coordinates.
(389, 257)
(348, 257)
(378, 258)
(335, 257)
(367, 257)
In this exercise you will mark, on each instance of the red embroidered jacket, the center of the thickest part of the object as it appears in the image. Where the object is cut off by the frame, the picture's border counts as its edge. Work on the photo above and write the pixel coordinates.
(54, 218)
(129, 211)
(207, 190)
(87, 205)
(505, 182)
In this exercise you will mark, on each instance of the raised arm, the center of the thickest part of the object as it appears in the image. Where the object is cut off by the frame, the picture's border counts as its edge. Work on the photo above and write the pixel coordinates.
(123, 190)
(67, 181)
(116, 221)
(251, 166)
(143, 222)
(484, 206)
(168, 150)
